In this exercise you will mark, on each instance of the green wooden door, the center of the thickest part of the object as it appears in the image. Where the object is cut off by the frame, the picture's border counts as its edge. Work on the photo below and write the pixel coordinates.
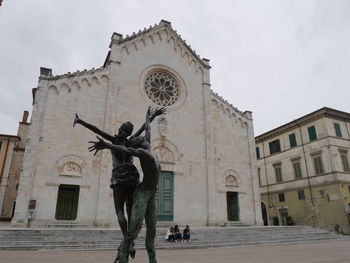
(232, 206)
(165, 197)
(67, 202)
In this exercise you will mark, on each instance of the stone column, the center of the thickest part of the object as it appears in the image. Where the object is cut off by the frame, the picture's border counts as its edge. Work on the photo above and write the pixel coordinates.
(30, 156)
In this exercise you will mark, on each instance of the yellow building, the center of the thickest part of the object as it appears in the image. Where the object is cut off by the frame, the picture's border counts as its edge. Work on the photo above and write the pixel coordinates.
(304, 174)
(11, 159)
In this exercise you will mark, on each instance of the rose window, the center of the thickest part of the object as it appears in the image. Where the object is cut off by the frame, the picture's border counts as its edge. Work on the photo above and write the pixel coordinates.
(162, 89)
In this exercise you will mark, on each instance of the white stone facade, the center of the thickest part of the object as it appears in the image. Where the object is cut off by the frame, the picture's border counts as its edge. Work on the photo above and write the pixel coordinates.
(206, 142)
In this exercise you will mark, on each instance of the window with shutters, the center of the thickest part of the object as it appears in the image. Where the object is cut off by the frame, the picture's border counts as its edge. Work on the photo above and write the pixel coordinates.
(312, 133)
(297, 169)
(257, 152)
(281, 197)
(318, 165)
(301, 195)
(337, 130)
(292, 140)
(278, 172)
(275, 146)
(344, 161)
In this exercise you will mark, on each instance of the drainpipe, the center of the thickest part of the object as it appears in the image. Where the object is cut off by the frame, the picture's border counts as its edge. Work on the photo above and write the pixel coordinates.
(267, 181)
(307, 175)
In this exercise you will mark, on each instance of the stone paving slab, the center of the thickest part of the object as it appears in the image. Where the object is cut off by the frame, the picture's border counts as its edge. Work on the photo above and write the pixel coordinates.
(323, 252)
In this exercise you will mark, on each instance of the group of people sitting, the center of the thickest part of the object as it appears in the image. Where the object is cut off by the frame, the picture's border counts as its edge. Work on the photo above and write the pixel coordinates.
(174, 234)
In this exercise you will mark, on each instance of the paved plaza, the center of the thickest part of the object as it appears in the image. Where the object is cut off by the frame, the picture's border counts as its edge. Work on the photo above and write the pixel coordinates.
(323, 252)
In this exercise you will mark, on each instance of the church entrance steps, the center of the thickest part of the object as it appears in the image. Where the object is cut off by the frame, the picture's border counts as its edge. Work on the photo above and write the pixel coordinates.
(201, 237)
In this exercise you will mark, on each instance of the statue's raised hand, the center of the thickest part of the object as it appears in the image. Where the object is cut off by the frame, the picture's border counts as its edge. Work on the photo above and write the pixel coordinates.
(97, 146)
(76, 119)
(159, 111)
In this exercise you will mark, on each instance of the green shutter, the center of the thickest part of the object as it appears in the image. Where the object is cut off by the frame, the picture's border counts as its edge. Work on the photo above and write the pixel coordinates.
(278, 172)
(301, 195)
(257, 152)
(318, 165)
(292, 140)
(312, 133)
(337, 130)
(297, 170)
(344, 159)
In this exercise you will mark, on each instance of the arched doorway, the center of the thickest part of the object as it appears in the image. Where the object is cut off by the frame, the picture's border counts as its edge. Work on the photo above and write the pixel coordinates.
(264, 214)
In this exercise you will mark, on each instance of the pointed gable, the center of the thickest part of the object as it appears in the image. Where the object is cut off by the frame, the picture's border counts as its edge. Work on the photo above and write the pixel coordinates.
(150, 34)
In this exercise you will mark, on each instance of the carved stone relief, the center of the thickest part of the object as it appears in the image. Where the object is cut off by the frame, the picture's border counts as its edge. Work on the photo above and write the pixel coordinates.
(71, 169)
(163, 126)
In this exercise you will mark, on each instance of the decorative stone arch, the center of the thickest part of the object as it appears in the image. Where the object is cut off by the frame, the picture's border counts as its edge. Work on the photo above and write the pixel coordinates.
(164, 154)
(53, 89)
(94, 81)
(104, 80)
(85, 82)
(64, 86)
(70, 165)
(169, 146)
(75, 85)
(227, 181)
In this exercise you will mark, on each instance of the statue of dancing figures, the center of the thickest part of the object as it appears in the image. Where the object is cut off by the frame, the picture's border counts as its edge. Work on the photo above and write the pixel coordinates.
(124, 174)
(144, 206)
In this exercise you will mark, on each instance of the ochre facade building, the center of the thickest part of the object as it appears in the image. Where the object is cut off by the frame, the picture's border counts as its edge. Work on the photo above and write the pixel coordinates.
(304, 173)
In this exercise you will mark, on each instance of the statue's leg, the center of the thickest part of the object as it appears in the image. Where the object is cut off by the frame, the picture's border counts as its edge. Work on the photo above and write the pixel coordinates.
(123, 254)
(151, 221)
(139, 207)
(129, 202)
(119, 195)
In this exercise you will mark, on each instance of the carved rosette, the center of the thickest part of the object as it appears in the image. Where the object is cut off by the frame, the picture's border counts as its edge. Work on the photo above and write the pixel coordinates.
(162, 88)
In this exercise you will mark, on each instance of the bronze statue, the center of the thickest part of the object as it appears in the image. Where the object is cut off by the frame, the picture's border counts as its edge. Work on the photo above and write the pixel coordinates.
(124, 174)
(144, 195)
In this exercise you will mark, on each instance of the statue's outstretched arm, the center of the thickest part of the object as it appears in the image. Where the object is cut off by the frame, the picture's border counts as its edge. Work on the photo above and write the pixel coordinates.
(148, 125)
(156, 113)
(101, 144)
(92, 128)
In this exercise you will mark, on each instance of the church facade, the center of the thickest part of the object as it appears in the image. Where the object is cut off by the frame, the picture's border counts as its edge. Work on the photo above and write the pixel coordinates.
(204, 144)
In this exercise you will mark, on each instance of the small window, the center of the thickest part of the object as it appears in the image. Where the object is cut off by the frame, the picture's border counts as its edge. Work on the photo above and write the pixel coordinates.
(292, 140)
(344, 160)
(318, 165)
(278, 173)
(337, 130)
(259, 176)
(275, 146)
(297, 170)
(0, 145)
(312, 133)
(281, 197)
(301, 195)
(257, 152)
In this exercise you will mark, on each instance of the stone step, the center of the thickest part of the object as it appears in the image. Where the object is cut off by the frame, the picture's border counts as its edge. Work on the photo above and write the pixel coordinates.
(91, 239)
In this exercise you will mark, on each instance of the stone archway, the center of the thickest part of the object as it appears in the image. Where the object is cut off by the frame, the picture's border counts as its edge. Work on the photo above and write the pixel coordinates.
(264, 214)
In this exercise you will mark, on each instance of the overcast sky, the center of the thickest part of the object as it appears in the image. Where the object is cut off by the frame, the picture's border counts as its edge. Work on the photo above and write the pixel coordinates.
(279, 59)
